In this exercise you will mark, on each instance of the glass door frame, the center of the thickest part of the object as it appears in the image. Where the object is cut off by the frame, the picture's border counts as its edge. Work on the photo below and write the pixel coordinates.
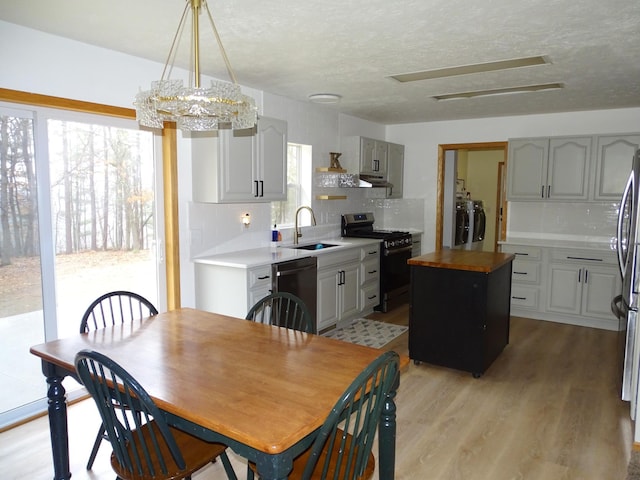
(166, 206)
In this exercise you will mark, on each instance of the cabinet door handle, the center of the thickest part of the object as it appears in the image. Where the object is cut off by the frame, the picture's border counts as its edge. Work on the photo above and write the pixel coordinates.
(372, 252)
(579, 275)
(257, 191)
(542, 191)
(586, 275)
(262, 188)
(376, 165)
(548, 191)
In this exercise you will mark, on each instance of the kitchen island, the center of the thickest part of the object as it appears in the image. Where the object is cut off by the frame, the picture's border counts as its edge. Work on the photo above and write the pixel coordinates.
(460, 306)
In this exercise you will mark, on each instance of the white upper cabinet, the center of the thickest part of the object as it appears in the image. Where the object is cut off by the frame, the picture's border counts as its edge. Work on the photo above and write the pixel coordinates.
(614, 154)
(586, 168)
(271, 167)
(241, 166)
(546, 169)
(527, 168)
(568, 174)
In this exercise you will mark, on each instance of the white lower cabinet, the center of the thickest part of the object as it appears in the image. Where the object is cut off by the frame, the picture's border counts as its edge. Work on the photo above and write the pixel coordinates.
(230, 290)
(338, 287)
(563, 285)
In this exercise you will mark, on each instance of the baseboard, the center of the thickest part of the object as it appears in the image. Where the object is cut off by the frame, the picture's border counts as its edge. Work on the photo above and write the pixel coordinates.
(601, 323)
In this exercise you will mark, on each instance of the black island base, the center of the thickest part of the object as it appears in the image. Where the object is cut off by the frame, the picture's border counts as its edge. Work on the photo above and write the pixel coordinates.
(460, 307)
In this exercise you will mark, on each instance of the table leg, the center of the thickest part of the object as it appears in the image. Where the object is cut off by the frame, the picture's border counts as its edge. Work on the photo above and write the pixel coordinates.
(274, 467)
(387, 435)
(57, 422)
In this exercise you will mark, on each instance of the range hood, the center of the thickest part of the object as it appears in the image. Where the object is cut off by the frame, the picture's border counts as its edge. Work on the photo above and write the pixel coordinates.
(352, 180)
(373, 181)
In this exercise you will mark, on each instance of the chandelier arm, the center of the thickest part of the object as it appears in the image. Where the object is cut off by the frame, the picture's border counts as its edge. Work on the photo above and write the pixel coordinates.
(172, 51)
(222, 50)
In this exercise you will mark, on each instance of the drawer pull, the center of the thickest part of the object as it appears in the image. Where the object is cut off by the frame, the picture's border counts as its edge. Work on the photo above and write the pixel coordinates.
(373, 271)
(263, 277)
(520, 273)
(519, 298)
(522, 254)
(585, 259)
(372, 297)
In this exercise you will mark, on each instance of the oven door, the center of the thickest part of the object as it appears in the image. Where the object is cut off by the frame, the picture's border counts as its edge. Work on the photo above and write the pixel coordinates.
(394, 277)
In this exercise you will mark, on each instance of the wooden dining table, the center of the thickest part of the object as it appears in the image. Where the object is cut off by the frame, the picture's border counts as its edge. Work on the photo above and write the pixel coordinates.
(262, 390)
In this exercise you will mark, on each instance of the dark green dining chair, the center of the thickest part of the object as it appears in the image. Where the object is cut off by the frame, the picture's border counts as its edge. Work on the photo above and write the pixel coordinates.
(282, 309)
(145, 447)
(113, 308)
(342, 447)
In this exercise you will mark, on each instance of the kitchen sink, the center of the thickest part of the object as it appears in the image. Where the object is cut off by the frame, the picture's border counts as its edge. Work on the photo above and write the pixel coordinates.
(315, 246)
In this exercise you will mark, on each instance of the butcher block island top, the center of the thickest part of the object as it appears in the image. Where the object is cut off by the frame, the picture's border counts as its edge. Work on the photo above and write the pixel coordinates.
(471, 260)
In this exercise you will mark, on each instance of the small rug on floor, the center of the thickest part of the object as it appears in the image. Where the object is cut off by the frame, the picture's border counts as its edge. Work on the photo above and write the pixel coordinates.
(369, 333)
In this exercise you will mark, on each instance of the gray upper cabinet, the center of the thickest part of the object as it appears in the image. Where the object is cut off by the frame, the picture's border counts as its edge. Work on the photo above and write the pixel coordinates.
(614, 154)
(549, 169)
(527, 168)
(241, 166)
(395, 170)
(373, 156)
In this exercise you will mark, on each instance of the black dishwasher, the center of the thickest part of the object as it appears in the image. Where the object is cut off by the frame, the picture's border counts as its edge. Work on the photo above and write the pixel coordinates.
(299, 277)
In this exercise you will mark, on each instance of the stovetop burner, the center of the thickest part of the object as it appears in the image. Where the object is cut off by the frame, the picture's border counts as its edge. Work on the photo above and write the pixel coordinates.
(361, 225)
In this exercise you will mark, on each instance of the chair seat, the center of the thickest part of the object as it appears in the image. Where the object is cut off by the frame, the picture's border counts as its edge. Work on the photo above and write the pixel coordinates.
(196, 453)
(300, 463)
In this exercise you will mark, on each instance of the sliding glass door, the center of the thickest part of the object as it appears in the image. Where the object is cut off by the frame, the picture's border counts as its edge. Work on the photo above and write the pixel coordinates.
(77, 219)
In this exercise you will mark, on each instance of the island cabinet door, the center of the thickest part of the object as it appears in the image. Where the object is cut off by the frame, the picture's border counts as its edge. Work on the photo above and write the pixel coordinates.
(447, 317)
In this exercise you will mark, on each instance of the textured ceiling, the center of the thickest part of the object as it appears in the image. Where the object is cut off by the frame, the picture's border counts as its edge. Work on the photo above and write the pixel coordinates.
(298, 47)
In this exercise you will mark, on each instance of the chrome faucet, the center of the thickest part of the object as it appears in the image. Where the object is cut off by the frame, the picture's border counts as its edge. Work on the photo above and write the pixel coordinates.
(296, 232)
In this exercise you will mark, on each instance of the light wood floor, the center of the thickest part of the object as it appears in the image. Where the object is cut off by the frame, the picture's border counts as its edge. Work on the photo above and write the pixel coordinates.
(547, 409)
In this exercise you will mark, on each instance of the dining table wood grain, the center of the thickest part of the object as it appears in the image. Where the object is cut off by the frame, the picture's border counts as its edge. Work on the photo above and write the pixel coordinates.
(263, 390)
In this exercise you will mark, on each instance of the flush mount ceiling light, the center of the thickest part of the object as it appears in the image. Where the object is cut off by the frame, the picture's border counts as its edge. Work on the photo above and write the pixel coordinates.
(195, 108)
(500, 91)
(468, 69)
(325, 98)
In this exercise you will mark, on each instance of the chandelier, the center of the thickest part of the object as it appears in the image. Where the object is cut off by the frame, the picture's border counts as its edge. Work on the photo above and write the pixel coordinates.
(195, 108)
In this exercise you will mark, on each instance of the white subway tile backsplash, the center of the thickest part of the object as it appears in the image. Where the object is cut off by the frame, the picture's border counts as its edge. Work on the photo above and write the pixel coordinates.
(569, 221)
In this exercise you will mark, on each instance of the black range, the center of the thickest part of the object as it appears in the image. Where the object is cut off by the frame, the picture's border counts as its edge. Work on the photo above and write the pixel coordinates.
(395, 251)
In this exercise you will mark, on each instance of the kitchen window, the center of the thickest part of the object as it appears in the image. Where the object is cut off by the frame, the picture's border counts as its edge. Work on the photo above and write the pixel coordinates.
(298, 187)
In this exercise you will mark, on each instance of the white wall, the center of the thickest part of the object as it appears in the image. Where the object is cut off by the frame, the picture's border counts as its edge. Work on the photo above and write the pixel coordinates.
(50, 65)
(421, 142)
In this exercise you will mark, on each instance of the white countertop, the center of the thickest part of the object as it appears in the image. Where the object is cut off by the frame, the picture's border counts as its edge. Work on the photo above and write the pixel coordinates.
(587, 244)
(257, 257)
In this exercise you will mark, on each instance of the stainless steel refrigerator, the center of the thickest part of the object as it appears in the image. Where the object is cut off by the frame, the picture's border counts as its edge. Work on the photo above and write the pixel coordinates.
(628, 238)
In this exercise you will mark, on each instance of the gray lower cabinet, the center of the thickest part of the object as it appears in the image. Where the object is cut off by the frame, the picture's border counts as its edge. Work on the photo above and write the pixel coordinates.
(564, 285)
(338, 287)
(348, 285)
